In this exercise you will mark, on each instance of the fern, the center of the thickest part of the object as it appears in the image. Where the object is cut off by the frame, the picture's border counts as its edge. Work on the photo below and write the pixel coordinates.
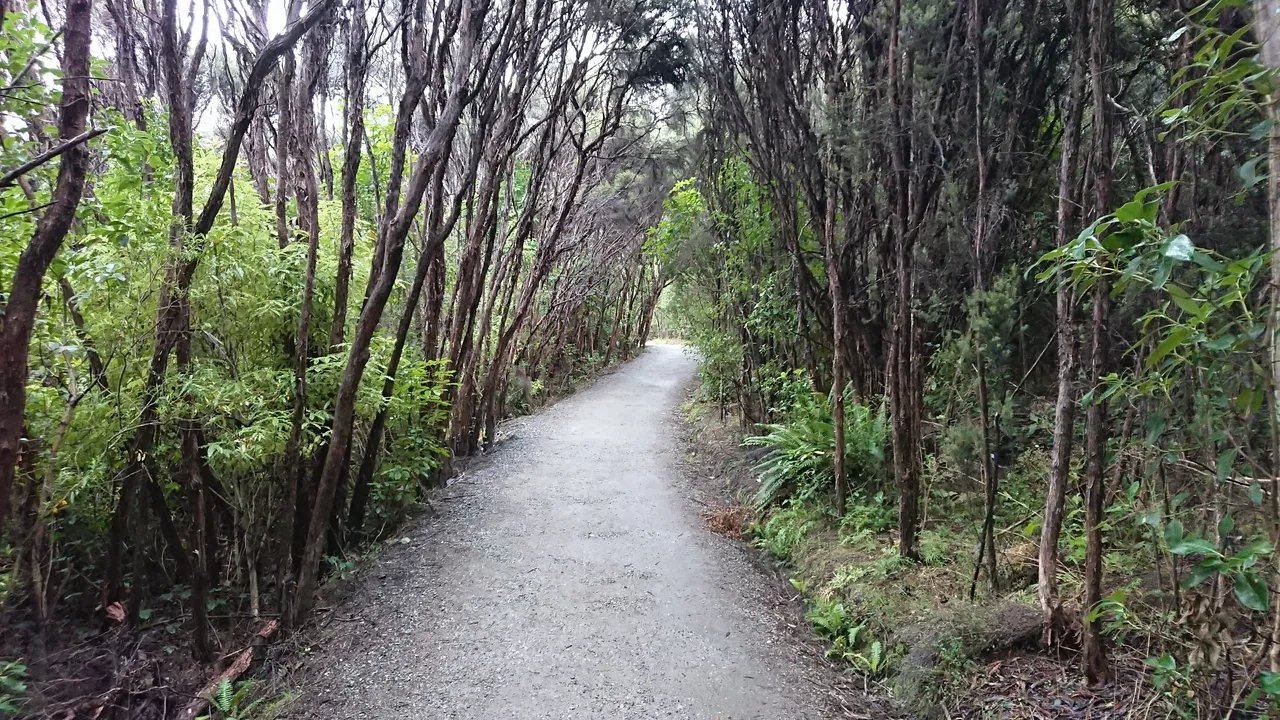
(223, 698)
(801, 460)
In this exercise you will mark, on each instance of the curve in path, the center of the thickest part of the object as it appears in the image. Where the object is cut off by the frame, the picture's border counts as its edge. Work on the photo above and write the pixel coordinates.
(566, 577)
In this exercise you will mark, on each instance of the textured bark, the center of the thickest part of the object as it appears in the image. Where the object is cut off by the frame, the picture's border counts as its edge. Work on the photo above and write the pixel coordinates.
(1064, 406)
(396, 222)
(303, 180)
(353, 136)
(170, 314)
(28, 276)
(438, 229)
(1093, 655)
(837, 344)
(903, 397)
(1268, 22)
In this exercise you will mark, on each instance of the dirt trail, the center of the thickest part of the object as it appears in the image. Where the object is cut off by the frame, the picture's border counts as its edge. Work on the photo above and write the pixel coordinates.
(566, 576)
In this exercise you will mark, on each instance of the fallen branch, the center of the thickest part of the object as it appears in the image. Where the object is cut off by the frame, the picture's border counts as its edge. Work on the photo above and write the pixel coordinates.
(232, 673)
(12, 176)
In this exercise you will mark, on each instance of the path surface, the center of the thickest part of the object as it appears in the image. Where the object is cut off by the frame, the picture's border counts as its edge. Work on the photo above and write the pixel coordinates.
(566, 576)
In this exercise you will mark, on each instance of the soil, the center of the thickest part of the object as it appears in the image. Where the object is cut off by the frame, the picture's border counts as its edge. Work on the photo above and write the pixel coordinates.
(568, 574)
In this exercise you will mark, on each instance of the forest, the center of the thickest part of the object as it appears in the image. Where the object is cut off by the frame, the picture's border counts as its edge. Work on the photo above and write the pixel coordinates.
(990, 286)
(987, 287)
(269, 272)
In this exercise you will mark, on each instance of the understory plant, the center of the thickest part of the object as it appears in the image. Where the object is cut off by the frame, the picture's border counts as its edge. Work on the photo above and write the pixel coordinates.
(801, 458)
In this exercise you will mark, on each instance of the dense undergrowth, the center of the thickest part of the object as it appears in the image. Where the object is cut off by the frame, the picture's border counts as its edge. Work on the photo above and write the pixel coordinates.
(1028, 249)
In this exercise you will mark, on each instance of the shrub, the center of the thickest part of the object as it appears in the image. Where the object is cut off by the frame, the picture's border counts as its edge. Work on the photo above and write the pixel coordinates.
(801, 455)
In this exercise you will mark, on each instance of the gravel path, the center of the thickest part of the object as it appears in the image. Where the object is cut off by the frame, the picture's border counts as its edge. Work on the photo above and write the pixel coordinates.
(566, 576)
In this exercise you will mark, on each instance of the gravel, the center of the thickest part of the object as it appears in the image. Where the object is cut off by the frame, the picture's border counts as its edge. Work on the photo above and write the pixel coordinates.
(566, 575)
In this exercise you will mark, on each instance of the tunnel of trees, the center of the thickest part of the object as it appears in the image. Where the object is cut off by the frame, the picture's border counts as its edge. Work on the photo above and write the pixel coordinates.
(268, 271)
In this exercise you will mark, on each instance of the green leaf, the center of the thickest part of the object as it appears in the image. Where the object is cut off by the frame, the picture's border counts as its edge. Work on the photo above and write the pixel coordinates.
(1131, 211)
(1251, 591)
(1179, 247)
(1200, 572)
(1259, 131)
(1249, 173)
(1226, 525)
(1155, 428)
(1269, 682)
(1226, 462)
(1173, 532)
(1176, 337)
(144, 614)
(1207, 262)
(1184, 301)
(1255, 493)
(1194, 546)
(1161, 276)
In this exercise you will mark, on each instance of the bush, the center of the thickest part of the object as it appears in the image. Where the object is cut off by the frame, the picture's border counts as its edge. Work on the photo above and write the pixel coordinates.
(784, 530)
(801, 460)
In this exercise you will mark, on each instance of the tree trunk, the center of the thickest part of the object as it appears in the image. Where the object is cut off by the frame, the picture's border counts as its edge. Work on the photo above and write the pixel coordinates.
(395, 226)
(1064, 406)
(305, 188)
(1093, 655)
(28, 275)
(1268, 31)
(351, 148)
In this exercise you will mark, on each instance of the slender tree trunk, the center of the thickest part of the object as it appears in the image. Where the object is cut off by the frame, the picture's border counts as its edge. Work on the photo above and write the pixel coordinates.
(903, 396)
(1093, 654)
(303, 180)
(1268, 30)
(1065, 404)
(353, 123)
(28, 275)
(396, 223)
(837, 340)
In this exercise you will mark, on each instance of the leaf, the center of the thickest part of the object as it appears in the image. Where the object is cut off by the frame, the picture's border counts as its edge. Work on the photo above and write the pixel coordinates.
(1269, 682)
(1176, 337)
(1207, 262)
(1200, 572)
(1251, 591)
(1194, 546)
(1255, 493)
(1161, 275)
(144, 614)
(1226, 461)
(1155, 428)
(1173, 532)
(1248, 173)
(1131, 211)
(1259, 131)
(1226, 525)
(1179, 247)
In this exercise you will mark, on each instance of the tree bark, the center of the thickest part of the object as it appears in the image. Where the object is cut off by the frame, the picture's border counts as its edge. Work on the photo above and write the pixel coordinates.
(1093, 654)
(395, 226)
(356, 67)
(1064, 406)
(28, 275)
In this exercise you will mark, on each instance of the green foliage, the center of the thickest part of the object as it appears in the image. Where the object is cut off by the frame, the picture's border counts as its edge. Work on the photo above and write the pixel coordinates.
(13, 687)
(232, 701)
(848, 640)
(786, 527)
(801, 459)
(872, 515)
